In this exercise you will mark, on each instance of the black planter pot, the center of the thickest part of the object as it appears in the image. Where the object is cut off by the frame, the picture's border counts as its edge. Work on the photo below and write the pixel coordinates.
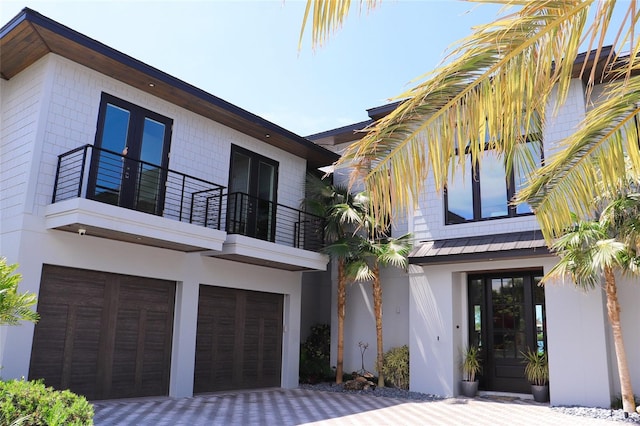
(469, 389)
(540, 393)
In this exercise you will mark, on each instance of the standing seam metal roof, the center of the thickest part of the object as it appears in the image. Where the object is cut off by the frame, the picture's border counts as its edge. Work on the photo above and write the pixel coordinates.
(482, 247)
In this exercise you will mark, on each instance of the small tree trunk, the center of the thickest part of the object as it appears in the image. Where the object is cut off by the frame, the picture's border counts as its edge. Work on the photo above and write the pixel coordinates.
(342, 296)
(613, 310)
(377, 307)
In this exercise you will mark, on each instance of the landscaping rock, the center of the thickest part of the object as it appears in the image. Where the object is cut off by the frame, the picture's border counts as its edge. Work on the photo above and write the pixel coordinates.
(359, 383)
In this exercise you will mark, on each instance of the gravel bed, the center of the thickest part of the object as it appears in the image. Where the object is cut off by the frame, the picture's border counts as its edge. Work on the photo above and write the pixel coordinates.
(599, 413)
(596, 413)
(380, 392)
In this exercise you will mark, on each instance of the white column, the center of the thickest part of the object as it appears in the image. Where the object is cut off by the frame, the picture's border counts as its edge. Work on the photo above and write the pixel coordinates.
(291, 338)
(184, 339)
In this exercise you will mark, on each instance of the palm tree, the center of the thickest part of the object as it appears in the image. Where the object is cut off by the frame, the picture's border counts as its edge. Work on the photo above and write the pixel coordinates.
(14, 306)
(587, 252)
(343, 218)
(375, 252)
(499, 81)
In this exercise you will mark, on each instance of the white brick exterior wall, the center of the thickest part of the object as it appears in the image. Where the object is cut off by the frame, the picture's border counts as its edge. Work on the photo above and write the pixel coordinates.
(20, 105)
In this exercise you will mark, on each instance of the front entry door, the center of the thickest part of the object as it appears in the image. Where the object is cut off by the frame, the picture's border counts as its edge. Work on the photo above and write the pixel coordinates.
(506, 313)
(129, 169)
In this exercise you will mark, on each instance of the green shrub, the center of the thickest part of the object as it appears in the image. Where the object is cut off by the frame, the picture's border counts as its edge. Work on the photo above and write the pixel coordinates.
(314, 355)
(32, 404)
(395, 367)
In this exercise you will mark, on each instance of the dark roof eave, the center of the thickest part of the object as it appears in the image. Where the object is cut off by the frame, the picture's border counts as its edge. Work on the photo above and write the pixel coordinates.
(344, 130)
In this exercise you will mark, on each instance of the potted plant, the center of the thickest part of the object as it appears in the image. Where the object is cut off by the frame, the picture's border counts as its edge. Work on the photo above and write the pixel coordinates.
(537, 372)
(470, 368)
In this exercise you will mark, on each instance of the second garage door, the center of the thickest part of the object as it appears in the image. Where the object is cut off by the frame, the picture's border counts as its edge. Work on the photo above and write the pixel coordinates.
(103, 335)
(239, 339)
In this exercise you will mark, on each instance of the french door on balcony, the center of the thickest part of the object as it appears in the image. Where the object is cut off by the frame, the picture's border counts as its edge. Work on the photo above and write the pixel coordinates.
(253, 181)
(129, 163)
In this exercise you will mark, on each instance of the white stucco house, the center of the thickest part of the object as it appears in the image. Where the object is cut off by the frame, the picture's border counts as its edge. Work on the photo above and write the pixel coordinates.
(157, 223)
(159, 227)
(473, 278)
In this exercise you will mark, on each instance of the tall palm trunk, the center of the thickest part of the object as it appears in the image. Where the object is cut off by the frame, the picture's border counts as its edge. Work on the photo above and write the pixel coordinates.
(342, 296)
(377, 308)
(613, 310)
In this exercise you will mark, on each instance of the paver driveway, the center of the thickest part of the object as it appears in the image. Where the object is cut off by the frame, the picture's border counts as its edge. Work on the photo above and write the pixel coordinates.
(303, 406)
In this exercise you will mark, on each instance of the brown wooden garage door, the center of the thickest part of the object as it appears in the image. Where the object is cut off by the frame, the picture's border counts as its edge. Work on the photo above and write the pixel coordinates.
(238, 340)
(103, 335)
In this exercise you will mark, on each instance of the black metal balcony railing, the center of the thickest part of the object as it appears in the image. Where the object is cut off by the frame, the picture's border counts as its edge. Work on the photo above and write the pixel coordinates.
(269, 221)
(112, 178)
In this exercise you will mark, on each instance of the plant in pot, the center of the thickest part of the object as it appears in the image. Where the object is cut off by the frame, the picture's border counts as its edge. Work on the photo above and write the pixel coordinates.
(537, 372)
(470, 368)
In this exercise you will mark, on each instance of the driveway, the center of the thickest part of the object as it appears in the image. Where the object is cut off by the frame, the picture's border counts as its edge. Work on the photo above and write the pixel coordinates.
(309, 407)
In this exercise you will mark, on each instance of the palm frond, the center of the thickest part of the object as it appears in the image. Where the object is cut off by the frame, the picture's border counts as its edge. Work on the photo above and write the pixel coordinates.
(341, 249)
(326, 17)
(589, 161)
(607, 253)
(359, 270)
(497, 83)
(14, 306)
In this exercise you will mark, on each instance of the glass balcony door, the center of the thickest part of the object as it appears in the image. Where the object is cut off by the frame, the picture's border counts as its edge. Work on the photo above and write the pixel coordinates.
(253, 183)
(128, 169)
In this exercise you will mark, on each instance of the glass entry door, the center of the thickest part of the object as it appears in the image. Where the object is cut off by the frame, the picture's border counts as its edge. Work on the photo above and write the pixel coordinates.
(506, 315)
(129, 168)
(252, 194)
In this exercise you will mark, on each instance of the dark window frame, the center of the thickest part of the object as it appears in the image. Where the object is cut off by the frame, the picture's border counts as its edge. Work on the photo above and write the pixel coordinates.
(249, 219)
(476, 198)
(135, 133)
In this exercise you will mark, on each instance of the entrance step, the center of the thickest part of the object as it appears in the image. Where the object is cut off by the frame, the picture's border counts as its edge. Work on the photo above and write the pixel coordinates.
(504, 396)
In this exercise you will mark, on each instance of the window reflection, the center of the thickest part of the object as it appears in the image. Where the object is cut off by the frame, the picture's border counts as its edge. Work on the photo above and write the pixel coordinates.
(493, 188)
(532, 160)
(540, 328)
(460, 195)
(538, 298)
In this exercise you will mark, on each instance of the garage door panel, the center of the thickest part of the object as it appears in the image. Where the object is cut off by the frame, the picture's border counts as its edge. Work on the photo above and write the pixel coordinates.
(65, 286)
(45, 332)
(239, 339)
(146, 294)
(101, 348)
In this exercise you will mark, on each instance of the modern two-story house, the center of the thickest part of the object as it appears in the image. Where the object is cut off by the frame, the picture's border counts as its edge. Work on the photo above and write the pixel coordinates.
(158, 225)
(473, 279)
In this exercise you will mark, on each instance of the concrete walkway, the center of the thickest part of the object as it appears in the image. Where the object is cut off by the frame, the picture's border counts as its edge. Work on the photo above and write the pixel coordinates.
(309, 407)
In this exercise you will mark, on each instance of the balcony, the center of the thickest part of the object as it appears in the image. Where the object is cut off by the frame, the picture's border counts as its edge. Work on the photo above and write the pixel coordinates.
(111, 196)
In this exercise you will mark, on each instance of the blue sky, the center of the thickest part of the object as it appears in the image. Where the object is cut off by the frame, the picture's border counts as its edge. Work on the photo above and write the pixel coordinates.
(246, 52)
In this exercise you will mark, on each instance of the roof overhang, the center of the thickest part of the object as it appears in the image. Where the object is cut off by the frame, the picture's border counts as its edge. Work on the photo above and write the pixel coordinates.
(30, 36)
(480, 248)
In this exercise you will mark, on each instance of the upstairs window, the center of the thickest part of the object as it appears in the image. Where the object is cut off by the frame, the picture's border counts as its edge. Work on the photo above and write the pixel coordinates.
(484, 192)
